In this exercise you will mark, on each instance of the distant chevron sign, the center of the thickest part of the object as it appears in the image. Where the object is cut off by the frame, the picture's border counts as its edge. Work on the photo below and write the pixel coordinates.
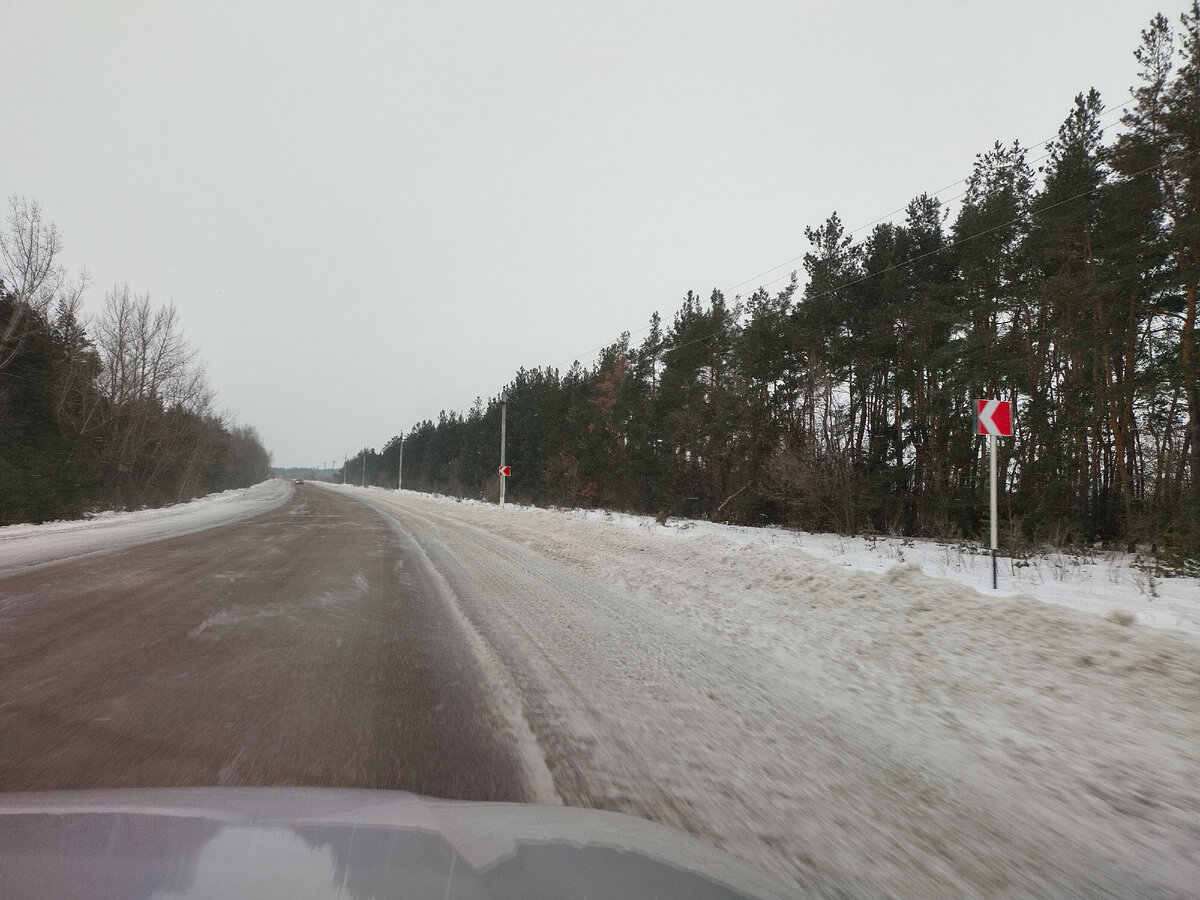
(994, 417)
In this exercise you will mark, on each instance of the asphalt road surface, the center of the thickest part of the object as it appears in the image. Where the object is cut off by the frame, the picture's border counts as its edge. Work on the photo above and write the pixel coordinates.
(300, 647)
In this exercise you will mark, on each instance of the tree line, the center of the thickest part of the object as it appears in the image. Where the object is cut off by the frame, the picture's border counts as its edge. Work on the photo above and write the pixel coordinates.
(1069, 289)
(107, 413)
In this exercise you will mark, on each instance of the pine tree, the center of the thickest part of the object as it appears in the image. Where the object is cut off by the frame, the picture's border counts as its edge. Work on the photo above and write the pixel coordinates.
(1158, 159)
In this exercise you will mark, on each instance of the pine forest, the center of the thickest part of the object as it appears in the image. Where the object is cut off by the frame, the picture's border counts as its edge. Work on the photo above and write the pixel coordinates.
(1065, 282)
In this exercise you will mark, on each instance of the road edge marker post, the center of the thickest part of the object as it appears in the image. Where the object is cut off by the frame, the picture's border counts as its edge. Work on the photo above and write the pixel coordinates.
(986, 412)
(503, 424)
(995, 528)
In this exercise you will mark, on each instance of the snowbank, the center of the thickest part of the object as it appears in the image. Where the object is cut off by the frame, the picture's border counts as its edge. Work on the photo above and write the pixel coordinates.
(22, 546)
(1104, 583)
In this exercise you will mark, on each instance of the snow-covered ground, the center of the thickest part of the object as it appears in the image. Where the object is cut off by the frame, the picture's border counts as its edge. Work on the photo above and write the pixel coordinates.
(852, 723)
(855, 716)
(22, 546)
(1107, 583)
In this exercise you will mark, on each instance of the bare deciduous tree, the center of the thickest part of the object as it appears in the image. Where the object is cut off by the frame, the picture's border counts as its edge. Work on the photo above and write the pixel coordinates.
(29, 268)
(145, 354)
(154, 386)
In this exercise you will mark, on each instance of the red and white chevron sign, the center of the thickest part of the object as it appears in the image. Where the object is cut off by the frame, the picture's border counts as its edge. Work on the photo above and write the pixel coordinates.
(994, 417)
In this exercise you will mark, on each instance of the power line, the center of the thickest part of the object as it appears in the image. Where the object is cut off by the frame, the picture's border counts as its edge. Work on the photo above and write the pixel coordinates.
(887, 216)
(1104, 119)
(866, 277)
(1015, 220)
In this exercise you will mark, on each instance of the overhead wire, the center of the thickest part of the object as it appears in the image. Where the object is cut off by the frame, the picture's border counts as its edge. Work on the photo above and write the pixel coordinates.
(949, 246)
(895, 212)
(902, 263)
(1106, 118)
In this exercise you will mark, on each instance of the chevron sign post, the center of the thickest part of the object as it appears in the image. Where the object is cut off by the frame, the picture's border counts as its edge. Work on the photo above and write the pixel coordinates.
(993, 418)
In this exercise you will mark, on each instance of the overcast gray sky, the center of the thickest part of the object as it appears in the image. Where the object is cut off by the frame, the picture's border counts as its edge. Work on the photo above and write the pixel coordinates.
(367, 212)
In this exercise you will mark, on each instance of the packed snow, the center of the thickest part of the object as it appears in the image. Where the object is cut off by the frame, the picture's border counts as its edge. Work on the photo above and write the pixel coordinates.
(851, 724)
(856, 716)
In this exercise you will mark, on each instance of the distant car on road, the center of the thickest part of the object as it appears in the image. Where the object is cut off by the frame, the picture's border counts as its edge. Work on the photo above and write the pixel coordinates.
(299, 481)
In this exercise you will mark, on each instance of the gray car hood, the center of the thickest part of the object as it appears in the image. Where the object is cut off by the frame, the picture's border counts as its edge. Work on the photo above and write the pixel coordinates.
(334, 843)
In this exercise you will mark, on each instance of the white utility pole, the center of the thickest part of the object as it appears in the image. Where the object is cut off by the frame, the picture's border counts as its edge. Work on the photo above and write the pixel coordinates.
(400, 470)
(503, 423)
(364, 475)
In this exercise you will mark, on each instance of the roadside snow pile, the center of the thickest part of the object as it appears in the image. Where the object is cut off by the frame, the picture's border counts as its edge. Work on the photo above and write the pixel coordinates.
(22, 546)
(877, 733)
(1103, 583)
(1110, 584)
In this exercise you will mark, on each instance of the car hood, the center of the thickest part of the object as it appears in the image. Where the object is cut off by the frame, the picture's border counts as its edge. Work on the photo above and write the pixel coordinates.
(334, 843)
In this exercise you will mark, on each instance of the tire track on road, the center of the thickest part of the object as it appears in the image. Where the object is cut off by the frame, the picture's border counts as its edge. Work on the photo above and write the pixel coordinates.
(488, 576)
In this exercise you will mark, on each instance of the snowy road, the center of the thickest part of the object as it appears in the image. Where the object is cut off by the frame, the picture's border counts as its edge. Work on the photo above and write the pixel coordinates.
(859, 734)
(294, 647)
